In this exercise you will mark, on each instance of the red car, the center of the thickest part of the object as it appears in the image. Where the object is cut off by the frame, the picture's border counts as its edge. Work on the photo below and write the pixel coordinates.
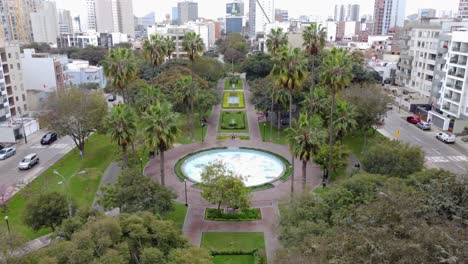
(413, 119)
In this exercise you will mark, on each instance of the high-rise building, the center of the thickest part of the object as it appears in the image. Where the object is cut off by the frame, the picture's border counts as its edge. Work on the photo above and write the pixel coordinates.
(115, 16)
(353, 13)
(281, 15)
(65, 22)
(426, 13)
(339, 13)
(16, 20)
(76, 24)
(463, 9)
(388, 14)
(44, 23)
(187, 11)
(175, 15)
(346, 12)
(261, 12)
(88, 20)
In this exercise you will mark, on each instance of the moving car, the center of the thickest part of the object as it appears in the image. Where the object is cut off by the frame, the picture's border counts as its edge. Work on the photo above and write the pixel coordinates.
(446, 137)
(28, 162)
(413, 119)
(7, 152)
(49, 138)
(424, 125)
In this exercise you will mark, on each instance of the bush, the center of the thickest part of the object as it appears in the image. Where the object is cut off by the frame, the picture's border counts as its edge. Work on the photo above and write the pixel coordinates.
(393, 158)
(244, 215)
(239, 95)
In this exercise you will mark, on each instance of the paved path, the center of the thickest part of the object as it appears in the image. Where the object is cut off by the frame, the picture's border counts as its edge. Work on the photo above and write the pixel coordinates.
(267, 200)
(110, 176)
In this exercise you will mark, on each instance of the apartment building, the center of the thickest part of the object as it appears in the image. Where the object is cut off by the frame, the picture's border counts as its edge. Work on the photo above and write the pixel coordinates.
(388, 14)
(91, 38)
(80, 73)
(175, 32)
(44, 23)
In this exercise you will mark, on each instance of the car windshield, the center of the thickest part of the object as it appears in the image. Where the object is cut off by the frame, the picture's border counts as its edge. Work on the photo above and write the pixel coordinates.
(26, 160)
(3, 151)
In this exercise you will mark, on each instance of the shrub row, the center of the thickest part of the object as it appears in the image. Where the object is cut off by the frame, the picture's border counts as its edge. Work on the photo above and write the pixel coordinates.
(245, 215)
(259, 255)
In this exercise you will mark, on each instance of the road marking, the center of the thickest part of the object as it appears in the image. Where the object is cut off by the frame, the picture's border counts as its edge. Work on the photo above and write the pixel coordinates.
(37, 146)
(436, 151)
(440, 159)
(437, 159)
(59, 146)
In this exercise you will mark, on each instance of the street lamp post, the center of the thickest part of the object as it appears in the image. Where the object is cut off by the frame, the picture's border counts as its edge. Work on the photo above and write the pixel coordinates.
(185, 183)
(264, 127)
(67, 184)
(141, 165)
(7, 223)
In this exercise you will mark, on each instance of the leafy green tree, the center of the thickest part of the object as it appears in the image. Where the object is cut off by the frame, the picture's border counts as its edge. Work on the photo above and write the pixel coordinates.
(234, 48)
(314, 41)
(305, 139)
(91, 53)
(160, 130)
(46, 210)
(393, 158)
(208, 68)
(339, 158)
(335, 75)
(122, 127)
(280, 99)
(192, 255)
(185, 93)
(276, 40)
(134, 193)
(39, 47)
(222, 186)
(154, 50)
(345, 121)
(75, 113)
(121, 67)
(152, 255)
(257, 66)
(10, 241)
(169, 46)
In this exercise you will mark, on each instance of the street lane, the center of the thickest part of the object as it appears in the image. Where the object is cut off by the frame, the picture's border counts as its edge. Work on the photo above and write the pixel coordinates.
(452, 157)
(10, 175)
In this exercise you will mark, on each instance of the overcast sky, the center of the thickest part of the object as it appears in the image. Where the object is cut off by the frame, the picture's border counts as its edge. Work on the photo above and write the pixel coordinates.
(216, 8)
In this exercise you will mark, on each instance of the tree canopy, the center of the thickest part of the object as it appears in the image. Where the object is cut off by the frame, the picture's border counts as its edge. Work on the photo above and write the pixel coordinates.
(46, 210)
(257, 66)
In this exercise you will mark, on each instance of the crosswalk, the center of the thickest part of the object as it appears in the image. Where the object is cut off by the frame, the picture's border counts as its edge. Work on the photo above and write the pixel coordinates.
(56, 146)
(442, 159)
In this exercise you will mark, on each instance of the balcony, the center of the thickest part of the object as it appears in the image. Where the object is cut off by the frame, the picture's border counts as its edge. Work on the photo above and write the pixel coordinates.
(9, 91)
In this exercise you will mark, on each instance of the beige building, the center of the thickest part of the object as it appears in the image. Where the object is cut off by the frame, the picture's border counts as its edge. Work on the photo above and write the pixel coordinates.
(15, 19)
(44, 23)
(115, 16)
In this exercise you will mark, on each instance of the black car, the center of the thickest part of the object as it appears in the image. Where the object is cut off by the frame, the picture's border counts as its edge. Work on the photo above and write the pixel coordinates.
(49, 138)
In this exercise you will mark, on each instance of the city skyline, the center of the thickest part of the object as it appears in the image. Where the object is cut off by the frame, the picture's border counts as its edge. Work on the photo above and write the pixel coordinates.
(215, 9)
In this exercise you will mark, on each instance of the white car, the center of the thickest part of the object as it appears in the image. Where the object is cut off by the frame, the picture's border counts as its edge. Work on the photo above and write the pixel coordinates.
(446, 137)
(7, 152)
(28, 161)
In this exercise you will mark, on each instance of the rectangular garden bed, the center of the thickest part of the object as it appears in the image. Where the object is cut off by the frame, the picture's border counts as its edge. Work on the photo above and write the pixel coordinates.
(233, 100)
(237, 85)
(233, 122)
(252, 214)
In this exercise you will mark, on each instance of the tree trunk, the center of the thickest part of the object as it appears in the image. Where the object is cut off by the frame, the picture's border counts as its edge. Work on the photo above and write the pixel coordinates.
(162, 169)
(330, 156)
(292, 176)
(188, 119)
(124, 155)
(191, 105)
(134, 157)
(271, 113)
(290, 108)
(278, 136)
(219, 207)
(304, 175)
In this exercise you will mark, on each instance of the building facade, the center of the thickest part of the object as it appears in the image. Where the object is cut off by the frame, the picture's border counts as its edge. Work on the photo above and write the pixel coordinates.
(115, 16)
(80, 73)
(65, 22)
(44, 23)
(281, 15)
(463, 9)
(388, 14)
(13, 94)
(187, 11)
(261, 13)
(15, 23)
(177, 33)
(84, 39)
(234, 24)
(348, 12)
(88, 20)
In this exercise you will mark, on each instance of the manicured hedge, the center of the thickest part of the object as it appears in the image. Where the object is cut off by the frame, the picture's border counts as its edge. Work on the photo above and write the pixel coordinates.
(245, 215)
(259, 255)
(228, 117)
(237, 94)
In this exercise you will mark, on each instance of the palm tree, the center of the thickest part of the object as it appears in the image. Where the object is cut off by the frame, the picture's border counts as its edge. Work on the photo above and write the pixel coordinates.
(276, 40)
(289, 72)
(193, 45)
(159, 127)
(184, 95)
(149, 96)
(305, 140)
(120, 65)
(314, 40)
(154, 50)
(345, 119)
(280, 98)
(122, 125)
(170, 46)
(336, 74)
(316, 102)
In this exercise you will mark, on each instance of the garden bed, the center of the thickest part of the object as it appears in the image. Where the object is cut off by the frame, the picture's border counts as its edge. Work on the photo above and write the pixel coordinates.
(233, 100)
(237, 85)
(245, 215)
(233, 122)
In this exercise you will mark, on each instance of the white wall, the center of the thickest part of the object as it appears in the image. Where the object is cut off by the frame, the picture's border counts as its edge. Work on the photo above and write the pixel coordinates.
(38, 73)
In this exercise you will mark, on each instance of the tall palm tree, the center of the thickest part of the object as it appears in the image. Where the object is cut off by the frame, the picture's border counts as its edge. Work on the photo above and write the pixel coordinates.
(314, 40)
(154, 50)
(345, 119)
(122, 125)
(280, 99)
(276, 40)
(193, 45)
(170, 46)
(289, 71)
(149, 96)
(184, 95)
(305, 140)
(159, 127)
(121, 67)
(316, 102)
(336, 74)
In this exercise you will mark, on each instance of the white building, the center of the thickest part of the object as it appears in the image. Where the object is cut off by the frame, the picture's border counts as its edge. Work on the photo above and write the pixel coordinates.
(88, 19)
(260, 16)
(44, 23)
(175, 32)
(388, 14)
(79, 72)
(206, 30)
(65, 22)
(115, 16)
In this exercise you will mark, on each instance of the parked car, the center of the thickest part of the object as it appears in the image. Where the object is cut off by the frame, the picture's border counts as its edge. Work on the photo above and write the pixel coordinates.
(49, 138)
(7, 152)
(111, 98)
(446, 137)
(28, 162)
(424, 125)
(413, 119)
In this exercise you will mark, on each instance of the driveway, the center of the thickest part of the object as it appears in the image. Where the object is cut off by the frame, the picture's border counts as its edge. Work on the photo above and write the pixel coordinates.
(11, 177)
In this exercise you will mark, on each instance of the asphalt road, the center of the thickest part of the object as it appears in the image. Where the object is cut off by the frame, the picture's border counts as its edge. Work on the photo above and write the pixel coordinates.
(452, 157)
(48, 155)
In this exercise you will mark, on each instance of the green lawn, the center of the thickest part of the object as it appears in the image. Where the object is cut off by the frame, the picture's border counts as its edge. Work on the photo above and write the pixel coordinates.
(185, 136)
(229, 137)
(99, 152)
(282, 140)
(223, 241)
(355, 143)
(234, 259)
(239, 95)
(233, 122)
(228, 85)
(178, 215)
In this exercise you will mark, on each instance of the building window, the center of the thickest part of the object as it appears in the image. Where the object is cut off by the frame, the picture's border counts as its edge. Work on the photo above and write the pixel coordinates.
(24, 97)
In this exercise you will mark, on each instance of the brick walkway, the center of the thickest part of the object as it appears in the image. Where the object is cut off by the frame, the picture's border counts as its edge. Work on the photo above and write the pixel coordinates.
(267, 200)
